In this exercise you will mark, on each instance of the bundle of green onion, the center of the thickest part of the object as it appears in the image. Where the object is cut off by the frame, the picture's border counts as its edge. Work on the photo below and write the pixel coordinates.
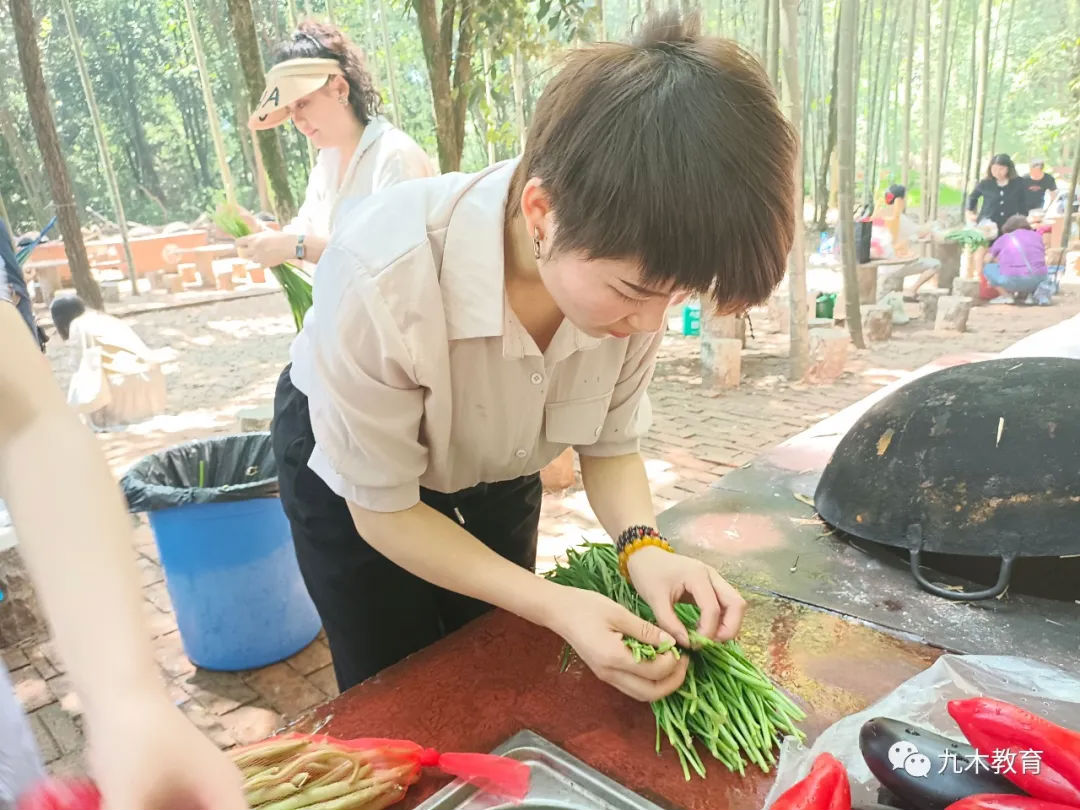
(295, 283)
(726, 703)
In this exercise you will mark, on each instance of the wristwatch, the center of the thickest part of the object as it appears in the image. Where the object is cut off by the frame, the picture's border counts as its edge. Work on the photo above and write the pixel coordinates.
(300, 252)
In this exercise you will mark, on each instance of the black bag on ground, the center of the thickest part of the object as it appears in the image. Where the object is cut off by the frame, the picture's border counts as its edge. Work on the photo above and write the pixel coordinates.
(227, 468)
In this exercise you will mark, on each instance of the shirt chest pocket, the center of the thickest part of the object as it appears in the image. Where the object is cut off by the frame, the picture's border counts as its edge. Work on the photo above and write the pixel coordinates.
(576, 421)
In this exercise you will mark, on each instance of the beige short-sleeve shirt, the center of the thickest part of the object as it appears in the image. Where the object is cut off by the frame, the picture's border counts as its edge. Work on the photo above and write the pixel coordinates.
(419, 374)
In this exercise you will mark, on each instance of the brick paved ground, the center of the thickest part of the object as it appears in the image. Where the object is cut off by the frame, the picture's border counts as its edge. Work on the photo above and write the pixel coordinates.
(227, 356)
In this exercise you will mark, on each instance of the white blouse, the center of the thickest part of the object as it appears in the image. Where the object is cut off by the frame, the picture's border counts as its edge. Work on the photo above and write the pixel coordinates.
(417, 371)
(384, 157)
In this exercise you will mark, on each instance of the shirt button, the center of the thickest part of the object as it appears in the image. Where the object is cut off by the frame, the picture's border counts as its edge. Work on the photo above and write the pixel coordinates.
(537, 378)
(520, 453)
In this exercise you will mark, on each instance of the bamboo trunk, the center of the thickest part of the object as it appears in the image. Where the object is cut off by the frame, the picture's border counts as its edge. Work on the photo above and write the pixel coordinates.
(1001, 83)
(939, 119)
(909, 65)
(212, 116)
(982, 64)
(24, 166)
(519, 95)
(799, 353)
(927, 88)
(392, 83)
(774, 44)
(489, 127)
(102, 144)
(1069, 200)
(845, 120)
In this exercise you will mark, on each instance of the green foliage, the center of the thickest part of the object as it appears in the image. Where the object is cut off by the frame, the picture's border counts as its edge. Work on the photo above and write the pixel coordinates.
(143, 69)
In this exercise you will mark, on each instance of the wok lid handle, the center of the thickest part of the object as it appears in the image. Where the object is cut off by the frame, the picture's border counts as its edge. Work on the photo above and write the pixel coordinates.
(998, 588)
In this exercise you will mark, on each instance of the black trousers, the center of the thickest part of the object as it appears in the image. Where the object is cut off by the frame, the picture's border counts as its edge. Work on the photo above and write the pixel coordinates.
(374, 612)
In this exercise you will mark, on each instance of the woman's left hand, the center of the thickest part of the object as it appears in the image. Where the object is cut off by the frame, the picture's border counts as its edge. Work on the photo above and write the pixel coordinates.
(268, 248)
(664, 579)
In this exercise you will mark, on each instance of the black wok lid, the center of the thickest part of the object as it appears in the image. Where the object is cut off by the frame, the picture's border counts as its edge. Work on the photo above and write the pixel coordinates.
(980, 459)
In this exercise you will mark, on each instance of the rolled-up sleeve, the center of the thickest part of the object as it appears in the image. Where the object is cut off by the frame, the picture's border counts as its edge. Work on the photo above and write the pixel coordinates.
(366, 407)
(629, 413)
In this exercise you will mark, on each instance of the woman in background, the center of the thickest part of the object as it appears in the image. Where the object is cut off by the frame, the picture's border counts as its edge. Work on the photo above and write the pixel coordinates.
(320, 83)
(1018, 260)
(1003, 195)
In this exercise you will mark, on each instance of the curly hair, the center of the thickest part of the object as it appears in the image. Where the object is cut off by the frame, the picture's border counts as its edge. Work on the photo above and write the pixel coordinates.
(317, 40)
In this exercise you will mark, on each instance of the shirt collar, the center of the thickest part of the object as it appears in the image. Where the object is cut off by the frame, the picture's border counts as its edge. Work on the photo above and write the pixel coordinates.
(472, 278)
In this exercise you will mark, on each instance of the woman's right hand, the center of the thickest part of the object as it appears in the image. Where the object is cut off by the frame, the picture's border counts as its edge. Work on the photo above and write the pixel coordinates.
(595, 626)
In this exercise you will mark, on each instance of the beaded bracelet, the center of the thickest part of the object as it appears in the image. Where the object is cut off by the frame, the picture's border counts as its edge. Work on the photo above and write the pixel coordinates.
(634, 539)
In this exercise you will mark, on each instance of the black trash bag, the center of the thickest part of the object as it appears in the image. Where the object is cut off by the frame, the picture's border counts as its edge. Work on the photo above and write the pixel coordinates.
(233, 468)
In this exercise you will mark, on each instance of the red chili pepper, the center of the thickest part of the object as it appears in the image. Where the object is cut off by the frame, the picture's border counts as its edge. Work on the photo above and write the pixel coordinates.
(1003, 801)
(824, 788)
(994, 726)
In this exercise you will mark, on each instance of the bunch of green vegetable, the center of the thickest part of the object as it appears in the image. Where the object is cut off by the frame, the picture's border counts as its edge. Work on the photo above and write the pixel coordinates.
(969, 238)
(726, 703)
(295, 283)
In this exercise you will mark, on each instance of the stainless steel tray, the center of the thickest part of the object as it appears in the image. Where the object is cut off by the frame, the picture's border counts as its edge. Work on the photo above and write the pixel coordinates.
(559, 782)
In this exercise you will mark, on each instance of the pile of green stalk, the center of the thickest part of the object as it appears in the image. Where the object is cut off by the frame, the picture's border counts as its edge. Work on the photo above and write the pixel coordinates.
(726, 703)
(295, 283)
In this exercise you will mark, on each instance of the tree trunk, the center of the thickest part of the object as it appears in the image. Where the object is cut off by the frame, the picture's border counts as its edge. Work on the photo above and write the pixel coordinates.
(983, 69)
(40, 105)
(1001, 83)
(392, 82)
(4, 212)
(102, 144)
(774, 44)
(909, 65)
(800, 334)
(268, 146)
(822, 194)
(845, 121)
(1067, 229)
(211, 108)
(450, 73)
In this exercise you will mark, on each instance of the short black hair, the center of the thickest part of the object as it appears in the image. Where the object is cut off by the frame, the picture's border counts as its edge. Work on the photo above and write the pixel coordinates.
(672, 152)
(64, 310)
(1002, 160)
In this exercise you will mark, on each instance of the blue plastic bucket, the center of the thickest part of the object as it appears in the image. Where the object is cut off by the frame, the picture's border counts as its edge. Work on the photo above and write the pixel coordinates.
(234, 582)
